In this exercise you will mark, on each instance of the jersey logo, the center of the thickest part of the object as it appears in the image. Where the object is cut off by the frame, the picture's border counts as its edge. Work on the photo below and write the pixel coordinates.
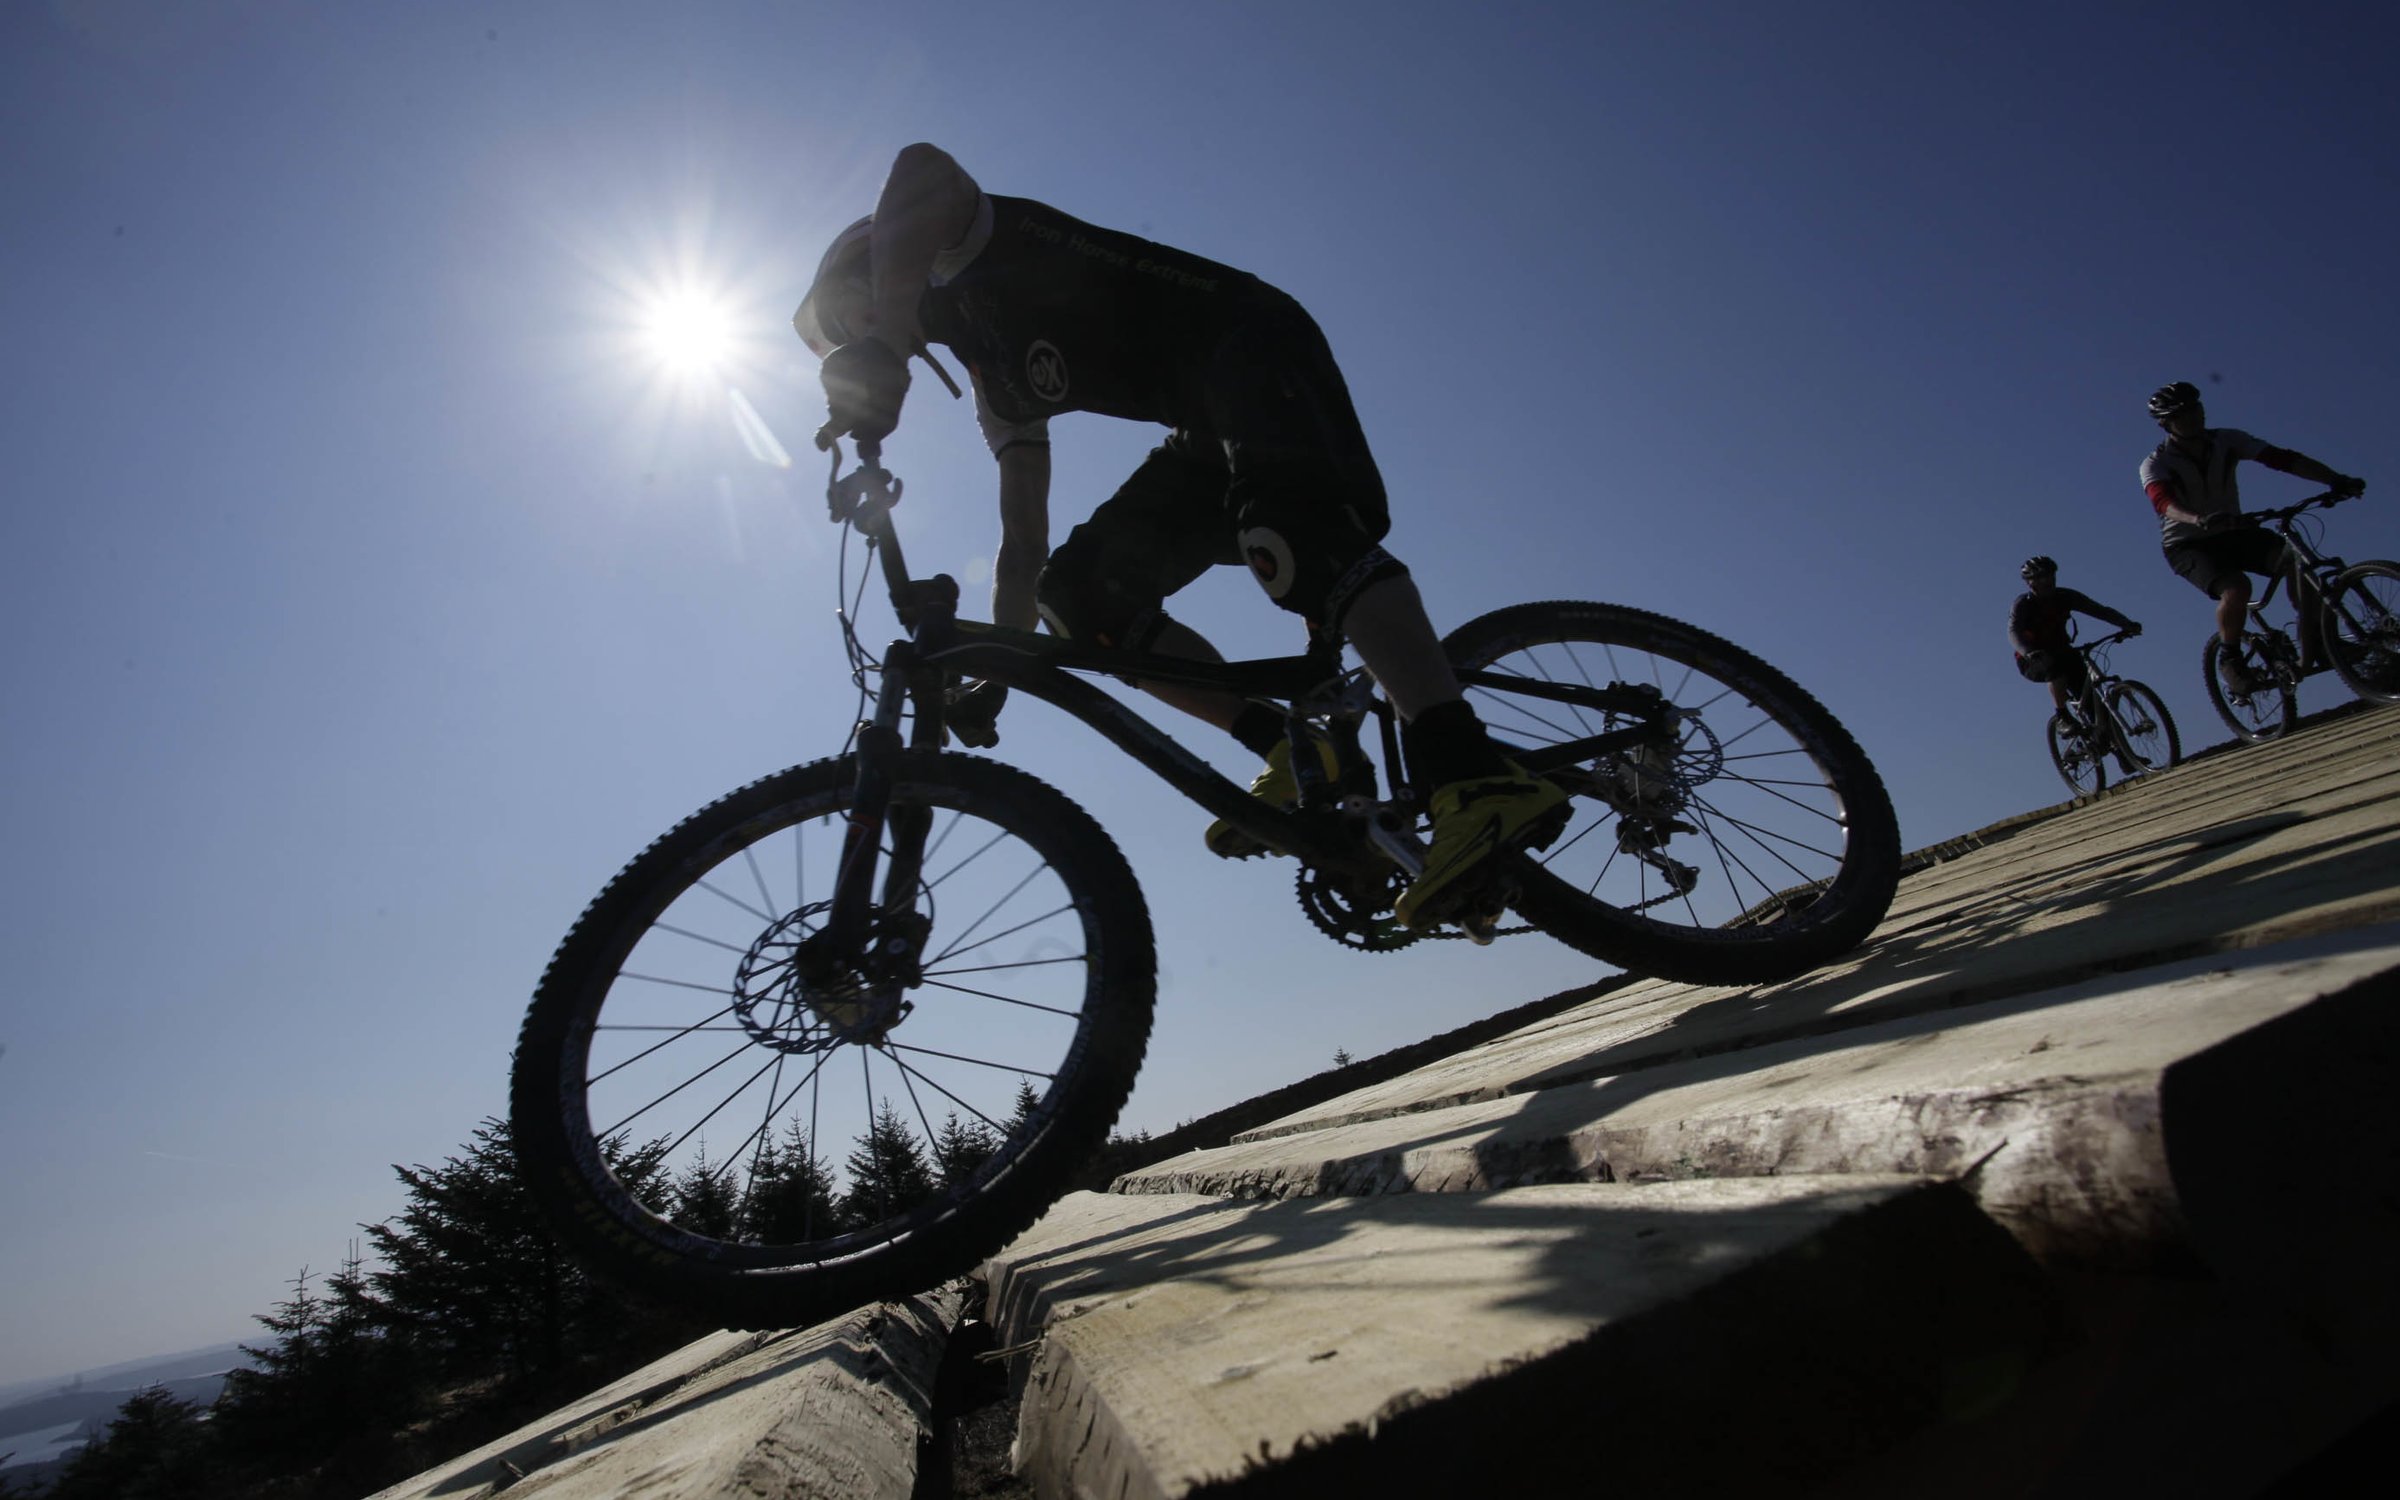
(1046, 369)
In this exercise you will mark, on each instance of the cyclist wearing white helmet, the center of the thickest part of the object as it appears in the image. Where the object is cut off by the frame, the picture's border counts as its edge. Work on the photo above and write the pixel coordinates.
(2037, 630)
(1264, 463)
(2190, 481)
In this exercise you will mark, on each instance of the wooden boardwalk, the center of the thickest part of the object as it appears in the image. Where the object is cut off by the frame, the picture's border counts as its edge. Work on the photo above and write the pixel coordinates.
(2079, 1173)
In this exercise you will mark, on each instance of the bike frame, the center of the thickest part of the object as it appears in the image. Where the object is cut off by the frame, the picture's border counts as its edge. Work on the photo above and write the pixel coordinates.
(2096, 681)
(2305, 570)
(939, 647)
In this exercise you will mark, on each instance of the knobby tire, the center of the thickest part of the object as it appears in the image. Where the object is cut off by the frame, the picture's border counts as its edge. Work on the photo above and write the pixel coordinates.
(1788, 897)
(619, 1229)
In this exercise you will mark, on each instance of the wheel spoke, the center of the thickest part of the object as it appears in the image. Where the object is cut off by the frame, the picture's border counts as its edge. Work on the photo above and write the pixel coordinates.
(681, 1032)
(963, 946)
(960, 989)
(896, 1047)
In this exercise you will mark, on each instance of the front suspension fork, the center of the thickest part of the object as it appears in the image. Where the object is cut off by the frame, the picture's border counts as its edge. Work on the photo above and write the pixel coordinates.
(877, 833)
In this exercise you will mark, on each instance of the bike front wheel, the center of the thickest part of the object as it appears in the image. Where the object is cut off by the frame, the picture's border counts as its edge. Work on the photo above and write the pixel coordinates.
(2362, 630)
(1763, 846)
(2079, 764)
(791, 1142)
(2147, 727)
(2255, 717)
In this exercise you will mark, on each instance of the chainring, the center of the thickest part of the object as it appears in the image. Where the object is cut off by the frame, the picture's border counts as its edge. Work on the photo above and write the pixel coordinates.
(1337, 913)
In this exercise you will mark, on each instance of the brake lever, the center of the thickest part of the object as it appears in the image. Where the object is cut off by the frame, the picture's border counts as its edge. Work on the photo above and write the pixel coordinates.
(844, 494)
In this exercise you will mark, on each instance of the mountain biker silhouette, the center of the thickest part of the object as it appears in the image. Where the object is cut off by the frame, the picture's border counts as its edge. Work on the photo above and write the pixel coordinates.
(2037, 629)
(1264, 464)
(2190, 481)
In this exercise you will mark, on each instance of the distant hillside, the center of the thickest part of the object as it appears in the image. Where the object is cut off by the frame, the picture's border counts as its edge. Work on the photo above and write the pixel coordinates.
(196, 1375)
(131, 1375)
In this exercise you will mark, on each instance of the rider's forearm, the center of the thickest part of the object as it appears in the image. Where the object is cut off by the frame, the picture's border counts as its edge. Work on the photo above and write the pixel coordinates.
(927, 206)
(2300, 465)
(1024, 535)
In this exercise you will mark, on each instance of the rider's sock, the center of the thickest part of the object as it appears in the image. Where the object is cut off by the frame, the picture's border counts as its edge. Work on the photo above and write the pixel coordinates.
(1258, 727)
(1446, 743)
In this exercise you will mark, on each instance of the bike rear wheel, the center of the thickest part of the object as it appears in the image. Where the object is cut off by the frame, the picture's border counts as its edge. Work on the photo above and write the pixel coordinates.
(2080, 765)
(2258, 716)
(1768, 816)
(2362, 630)
(2148, 728)
(1009, 998)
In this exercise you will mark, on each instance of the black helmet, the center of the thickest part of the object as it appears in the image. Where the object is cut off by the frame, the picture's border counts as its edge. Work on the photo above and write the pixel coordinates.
(2174, 400)
(845, 261)
(2037, 564)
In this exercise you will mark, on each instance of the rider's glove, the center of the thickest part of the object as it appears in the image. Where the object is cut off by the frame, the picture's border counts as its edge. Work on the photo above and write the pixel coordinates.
(2222, 521)
(865, 383)
(2347, 487)
(973, 713)
(2133, 630)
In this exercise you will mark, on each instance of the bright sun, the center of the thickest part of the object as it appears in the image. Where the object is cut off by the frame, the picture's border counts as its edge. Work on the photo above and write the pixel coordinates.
(689, 332)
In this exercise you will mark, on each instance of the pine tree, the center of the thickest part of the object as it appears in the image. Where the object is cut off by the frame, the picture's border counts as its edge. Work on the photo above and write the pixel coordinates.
(156, 1448)
(264, 1413)
(791, 1196)
(1027, 1102)
(888, 1171)
(959, 1148)
(705, 1199)
(337, 1380)
(471, 1276)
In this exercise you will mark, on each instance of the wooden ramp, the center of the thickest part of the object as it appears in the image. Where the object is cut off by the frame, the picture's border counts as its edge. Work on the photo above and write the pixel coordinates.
(2081, 1172)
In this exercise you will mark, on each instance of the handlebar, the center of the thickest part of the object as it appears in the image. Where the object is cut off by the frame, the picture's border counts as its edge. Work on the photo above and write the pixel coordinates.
(2327, 499)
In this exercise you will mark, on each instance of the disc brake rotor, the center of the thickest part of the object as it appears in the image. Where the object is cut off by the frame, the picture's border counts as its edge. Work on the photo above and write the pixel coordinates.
(782, 1009)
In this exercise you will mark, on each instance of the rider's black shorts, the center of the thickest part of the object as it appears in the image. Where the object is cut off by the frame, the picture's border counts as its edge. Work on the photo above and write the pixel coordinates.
(2054, 666)
(2212, 562)
(1279, 477)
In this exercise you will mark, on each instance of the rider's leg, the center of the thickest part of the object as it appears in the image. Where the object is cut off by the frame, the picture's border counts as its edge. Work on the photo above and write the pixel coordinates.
(1388, 625)
(1310, 515)
(2213, 564)
(1480, 803)
(1171, 637)
(1163, 528)
(2233, 609)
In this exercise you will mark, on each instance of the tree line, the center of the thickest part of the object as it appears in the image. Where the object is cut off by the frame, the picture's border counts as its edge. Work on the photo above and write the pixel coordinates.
(460, 1318)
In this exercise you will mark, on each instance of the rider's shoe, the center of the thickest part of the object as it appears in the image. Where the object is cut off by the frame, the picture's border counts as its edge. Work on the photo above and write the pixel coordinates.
(1276, 786)
(2235, 673)
(1472, 821)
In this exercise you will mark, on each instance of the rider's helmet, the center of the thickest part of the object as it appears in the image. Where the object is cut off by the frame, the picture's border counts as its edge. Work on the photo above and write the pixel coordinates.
(2037, 564)
(2174, 400)
(845, 264)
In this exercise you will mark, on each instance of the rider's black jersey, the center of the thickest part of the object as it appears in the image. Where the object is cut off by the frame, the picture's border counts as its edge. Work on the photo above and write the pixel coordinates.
(1052, 315)
(2036, 623)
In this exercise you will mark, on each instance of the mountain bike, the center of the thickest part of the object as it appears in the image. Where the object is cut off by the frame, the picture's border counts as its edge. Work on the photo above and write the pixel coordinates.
(905, 931)
(2121, 720)
(2345, 617)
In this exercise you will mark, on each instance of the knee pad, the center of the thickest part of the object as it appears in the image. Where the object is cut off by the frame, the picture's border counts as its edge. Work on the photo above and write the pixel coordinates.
(1077, 608)
(1316, 583)
(1102, 614)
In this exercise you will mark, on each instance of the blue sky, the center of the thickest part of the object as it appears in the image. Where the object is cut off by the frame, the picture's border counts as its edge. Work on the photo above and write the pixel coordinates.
(371, 590)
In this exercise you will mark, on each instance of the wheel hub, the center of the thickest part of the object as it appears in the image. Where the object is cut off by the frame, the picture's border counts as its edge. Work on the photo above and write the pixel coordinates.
(790, 1004)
